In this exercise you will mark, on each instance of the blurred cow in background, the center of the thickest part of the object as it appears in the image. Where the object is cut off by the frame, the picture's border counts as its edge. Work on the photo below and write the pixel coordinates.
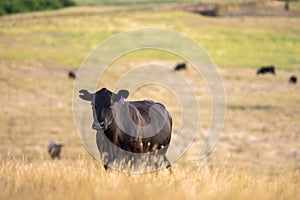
(72, 74)
(54, 150)
(181, 66)
(266, 69)
(293, 80)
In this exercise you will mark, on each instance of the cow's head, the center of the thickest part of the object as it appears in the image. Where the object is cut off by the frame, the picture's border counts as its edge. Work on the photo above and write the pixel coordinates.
(101, 104)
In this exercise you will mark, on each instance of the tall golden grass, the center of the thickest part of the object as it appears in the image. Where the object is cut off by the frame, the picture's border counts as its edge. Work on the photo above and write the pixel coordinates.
(86, 179)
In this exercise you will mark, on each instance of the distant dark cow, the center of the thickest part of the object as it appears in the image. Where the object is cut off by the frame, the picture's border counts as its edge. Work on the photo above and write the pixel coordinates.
(133, 126)
(54, 150)
(293, 80)
(72, 75)
(266, 69)
(181, 66)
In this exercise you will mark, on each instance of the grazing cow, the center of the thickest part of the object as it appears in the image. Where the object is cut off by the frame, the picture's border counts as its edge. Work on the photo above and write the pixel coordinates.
(293, 80)
(72, 75)
(266, 69)
(54, 150)
(136, 127)
(180, 66)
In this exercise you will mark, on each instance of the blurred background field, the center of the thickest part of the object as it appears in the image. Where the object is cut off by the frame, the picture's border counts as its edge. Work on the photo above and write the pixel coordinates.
(257, 155)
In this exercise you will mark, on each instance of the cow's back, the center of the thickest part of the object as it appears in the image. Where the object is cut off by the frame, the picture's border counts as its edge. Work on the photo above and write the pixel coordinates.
(159, 137)
(155, 136)
(143, 108)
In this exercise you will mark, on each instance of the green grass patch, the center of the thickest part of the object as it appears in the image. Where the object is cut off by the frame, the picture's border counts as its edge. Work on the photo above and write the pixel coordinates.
(135, 2)
(251, 47)
(130, 2)
(66, 37)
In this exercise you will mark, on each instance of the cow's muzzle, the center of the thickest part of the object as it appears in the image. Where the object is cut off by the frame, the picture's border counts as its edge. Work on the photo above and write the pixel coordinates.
(98, 126)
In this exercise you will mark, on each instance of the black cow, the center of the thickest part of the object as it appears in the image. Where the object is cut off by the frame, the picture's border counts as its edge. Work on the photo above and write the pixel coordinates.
(54, 150)
(266, 69)
(293, 80)
(180, 66)
(137, 127)
(72, 75)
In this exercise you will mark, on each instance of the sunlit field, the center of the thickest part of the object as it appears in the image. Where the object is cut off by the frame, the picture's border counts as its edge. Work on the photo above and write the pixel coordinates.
(257, 155)
(85, 179)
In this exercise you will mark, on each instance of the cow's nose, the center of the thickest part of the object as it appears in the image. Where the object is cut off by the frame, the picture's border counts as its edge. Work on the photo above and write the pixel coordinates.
(101, 125)
(98, 126)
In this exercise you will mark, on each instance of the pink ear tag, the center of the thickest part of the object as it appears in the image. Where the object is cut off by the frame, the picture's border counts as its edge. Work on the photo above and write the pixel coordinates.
(122, 100)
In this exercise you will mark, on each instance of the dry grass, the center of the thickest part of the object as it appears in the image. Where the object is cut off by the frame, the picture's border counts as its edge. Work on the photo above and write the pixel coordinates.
(85, 179)
(257, 156)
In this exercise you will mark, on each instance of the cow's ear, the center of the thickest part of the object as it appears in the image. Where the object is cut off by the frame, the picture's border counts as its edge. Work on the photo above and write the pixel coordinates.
(123, 93)
(86, 95)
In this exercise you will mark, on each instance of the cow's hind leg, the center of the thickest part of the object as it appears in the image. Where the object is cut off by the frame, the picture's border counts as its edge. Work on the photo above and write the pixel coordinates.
(168, 164)
(106, 167)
